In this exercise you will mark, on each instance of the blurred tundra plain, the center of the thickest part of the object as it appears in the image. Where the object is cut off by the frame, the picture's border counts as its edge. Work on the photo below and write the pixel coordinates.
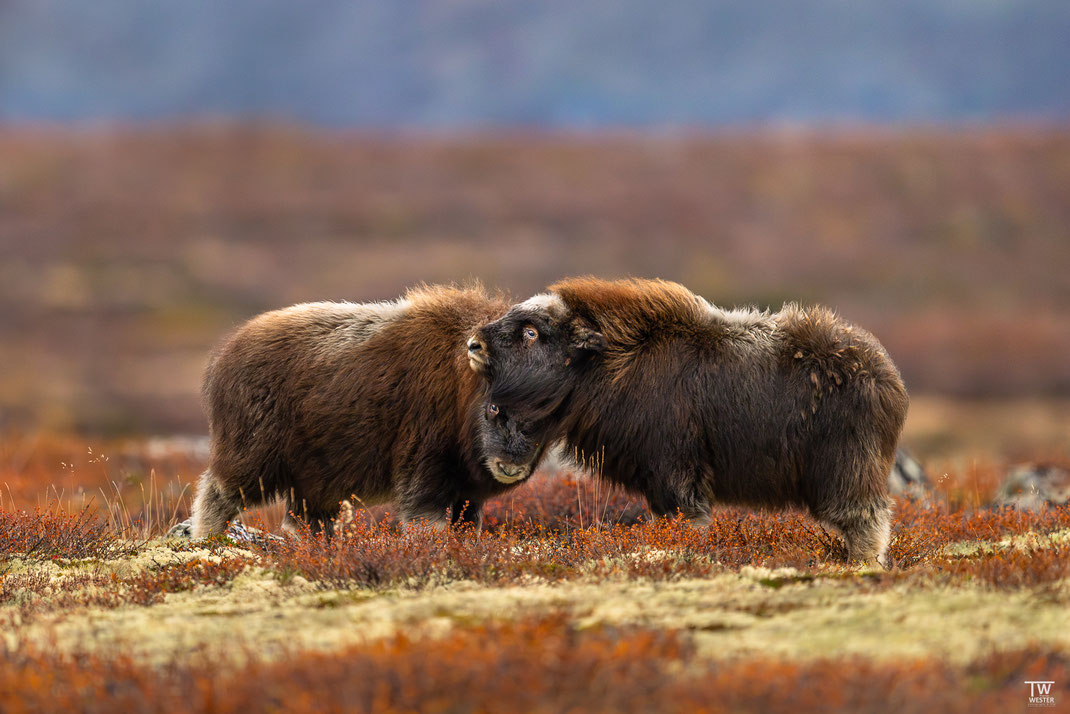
(126, 253)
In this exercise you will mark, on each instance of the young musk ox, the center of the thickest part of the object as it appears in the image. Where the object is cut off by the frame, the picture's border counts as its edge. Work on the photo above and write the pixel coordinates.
(690, 404)
(318, 402)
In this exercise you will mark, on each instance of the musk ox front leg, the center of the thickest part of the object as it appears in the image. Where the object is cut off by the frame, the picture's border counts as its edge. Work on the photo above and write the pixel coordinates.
(870, 542)
(466, 511)
(435, 518)
(866, 533)
(678, 494)
(301, 518)
(419, 507)
(427, 489)
(316, 523)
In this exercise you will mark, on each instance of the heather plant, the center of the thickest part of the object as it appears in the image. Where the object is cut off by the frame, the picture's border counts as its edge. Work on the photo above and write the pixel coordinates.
(541, 665)
(560, 526)
(186, 575)
(564, 501)
(1010, 567)
(366, 553)
(60, 569)
(55, 534)
(37, 591)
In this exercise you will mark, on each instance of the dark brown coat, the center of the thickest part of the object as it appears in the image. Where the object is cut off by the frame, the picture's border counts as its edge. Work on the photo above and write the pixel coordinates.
(319, 402)
(690, 404)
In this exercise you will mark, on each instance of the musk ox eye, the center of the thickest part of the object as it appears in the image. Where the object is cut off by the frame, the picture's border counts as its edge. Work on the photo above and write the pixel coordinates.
(492, 410)
(530, 334)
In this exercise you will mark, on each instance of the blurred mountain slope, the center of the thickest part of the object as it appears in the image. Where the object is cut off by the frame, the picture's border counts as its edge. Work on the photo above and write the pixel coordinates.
(450, 63)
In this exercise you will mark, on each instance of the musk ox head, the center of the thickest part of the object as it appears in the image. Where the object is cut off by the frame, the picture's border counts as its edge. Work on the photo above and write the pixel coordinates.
(511, 450)
(532, 357)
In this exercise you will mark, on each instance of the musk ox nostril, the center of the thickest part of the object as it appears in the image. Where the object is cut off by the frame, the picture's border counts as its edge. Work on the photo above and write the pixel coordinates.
(475, 345)
(508, 470)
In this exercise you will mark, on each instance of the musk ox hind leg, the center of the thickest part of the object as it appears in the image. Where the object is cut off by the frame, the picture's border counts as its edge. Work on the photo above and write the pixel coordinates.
(213, 508)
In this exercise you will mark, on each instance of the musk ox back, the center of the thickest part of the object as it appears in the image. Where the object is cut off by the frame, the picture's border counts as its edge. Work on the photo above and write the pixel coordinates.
(690, 404)
(318, 402)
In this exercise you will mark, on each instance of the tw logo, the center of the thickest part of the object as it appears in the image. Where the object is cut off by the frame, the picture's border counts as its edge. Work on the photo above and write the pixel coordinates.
(1040, 694)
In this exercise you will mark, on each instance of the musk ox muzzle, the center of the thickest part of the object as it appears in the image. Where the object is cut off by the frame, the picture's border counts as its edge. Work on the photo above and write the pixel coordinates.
(478, 359)
(508, 473)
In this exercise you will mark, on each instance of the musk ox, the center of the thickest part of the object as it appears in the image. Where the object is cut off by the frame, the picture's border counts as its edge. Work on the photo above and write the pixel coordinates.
(690, 404)
(318, 402)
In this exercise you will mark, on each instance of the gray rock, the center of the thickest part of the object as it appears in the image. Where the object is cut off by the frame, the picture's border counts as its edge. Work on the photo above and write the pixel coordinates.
(1031, 486)
(243, 534)
(908, 478)
(237, 532)
(181, 530)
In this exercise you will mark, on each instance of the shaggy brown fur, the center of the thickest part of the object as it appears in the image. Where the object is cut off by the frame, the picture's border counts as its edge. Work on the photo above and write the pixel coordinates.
(318, 402)
(690, 404)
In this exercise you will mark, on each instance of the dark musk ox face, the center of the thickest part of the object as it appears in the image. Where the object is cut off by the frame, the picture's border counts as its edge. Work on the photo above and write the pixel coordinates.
(512, 452)
(531, 358)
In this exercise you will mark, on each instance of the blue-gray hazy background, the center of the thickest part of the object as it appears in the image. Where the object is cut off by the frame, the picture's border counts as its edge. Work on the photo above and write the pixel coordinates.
(170, 168)
(471, 63)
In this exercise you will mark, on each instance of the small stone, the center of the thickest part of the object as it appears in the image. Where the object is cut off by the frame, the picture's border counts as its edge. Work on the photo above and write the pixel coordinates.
(908, 478)
(181, 530)
(1031, 486)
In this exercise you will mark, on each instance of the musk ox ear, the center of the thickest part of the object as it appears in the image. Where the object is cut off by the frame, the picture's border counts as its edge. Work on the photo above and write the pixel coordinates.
(586, 338)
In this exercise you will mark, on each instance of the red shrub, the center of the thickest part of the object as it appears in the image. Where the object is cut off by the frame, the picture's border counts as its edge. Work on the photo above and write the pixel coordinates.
(542, 665)
(149, 587)
(378, 554)
(48, 535)
(1009, 568)
(564, 501)
(36, 591)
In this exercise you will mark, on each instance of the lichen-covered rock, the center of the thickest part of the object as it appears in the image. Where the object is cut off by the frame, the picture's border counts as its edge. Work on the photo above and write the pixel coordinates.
(236, 531)
(1031, 486)
(181, 530)
(908, 478)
